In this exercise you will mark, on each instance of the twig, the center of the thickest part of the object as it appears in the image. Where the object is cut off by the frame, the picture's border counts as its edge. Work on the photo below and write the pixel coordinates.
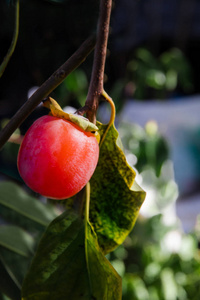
(95, 92)
(46, 88)
(14, 41)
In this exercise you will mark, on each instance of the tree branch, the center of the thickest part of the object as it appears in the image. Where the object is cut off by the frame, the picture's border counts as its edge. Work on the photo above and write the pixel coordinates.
(46, 88)
(97, 79)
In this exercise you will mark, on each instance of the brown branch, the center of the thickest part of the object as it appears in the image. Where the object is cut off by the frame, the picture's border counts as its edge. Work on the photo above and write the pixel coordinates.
(96, 84)
(46, 88)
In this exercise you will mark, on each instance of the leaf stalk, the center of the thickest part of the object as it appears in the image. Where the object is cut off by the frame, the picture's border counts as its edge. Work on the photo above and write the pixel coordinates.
(112, 116)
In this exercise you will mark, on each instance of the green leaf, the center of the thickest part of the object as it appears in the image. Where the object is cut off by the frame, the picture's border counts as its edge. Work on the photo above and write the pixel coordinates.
(134, 287)
(169, 284)
(16, 240)
(156, 152)
(76, 81)
(70, 265)
(105, 282)
(115, 197)
(7, 285)
(16, 251)
(18, 207)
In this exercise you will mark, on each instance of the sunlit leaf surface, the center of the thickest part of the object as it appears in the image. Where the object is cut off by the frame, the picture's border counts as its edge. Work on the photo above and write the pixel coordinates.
(16, 252)
(16, 239)
(115, 196)
(20, 208)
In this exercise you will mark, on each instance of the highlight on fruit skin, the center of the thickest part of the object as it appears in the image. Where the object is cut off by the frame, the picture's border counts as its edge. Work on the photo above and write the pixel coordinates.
(57, 158)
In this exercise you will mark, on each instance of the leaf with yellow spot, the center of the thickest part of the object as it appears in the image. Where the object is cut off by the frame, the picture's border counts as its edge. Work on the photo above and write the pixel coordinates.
(115, 198)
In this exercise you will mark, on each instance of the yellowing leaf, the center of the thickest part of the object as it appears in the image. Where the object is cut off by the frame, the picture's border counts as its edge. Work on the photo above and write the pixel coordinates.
(115, 197)
(112, 153)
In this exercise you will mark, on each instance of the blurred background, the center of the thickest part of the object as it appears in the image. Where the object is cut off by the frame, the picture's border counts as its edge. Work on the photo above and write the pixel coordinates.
(152, 74)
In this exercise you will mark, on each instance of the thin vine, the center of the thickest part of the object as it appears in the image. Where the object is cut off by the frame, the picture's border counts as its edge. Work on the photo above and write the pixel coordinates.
(14, 41)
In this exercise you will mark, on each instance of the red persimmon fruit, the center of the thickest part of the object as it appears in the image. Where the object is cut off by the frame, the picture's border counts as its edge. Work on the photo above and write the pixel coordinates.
(57, 158)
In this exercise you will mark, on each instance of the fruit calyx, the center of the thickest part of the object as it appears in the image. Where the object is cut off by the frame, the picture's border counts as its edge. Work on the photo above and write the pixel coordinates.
(57, 111)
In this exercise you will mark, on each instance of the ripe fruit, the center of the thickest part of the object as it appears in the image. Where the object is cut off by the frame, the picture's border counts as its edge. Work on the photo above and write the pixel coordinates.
(57, 158)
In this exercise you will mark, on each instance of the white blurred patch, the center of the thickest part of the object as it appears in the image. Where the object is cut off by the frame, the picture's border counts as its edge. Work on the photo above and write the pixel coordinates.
(69, 109)
(172, 241)
(31, 91)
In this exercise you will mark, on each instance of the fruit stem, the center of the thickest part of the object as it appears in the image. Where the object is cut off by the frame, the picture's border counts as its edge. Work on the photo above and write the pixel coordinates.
(46, 88)
(97, 79)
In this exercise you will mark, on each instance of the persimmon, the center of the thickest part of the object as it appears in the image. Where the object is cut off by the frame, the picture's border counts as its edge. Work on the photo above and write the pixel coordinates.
(57, 158)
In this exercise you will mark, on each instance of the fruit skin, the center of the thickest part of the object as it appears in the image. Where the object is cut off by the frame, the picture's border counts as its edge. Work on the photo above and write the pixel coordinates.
(57, 158)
